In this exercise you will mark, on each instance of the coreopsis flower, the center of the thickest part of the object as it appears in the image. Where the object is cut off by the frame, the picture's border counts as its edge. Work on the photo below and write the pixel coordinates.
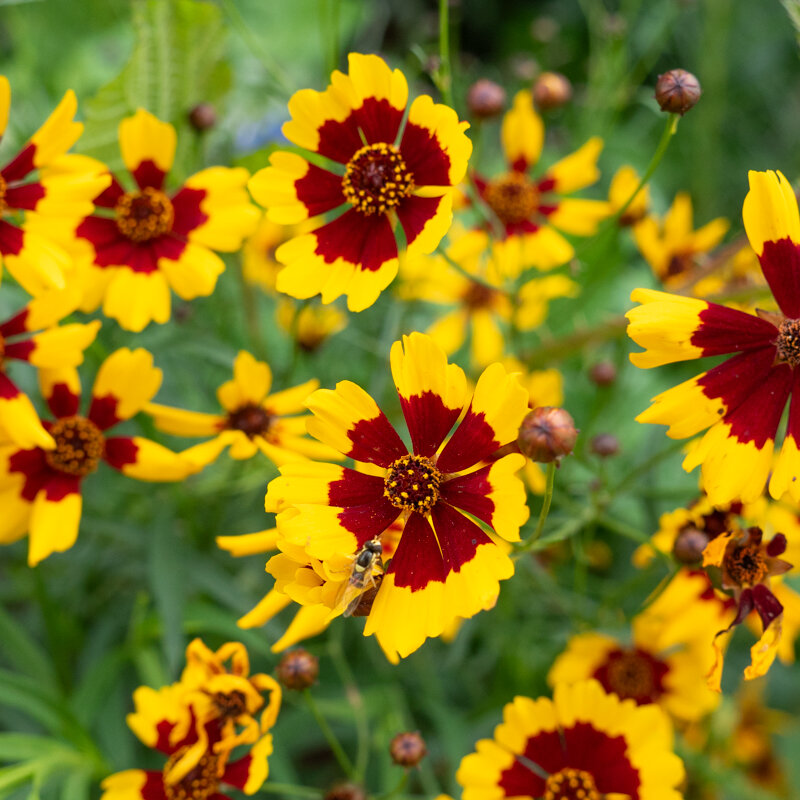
(584, 743)
(55, 196)
(740, 401)
(671, 246)
(33, 335)
(480, 302)
(144, 240)
(194, 722)
(253, 420)
(385, 172)
(42, 488)
(537, 210)
(653, 668)
(746, 564)
(445, 566)
(624, 183)
(309, 324)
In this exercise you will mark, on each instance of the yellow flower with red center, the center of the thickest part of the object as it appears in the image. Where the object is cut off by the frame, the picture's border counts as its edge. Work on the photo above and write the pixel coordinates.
(41, 489)
(583, 743)
(537, 210)
(672, 247)
(386, 171)
(33, 335)
(445, 566)
(740, 401)
(484, 305)
(254, 420)
(57, 195)
(194, 722)
(144, 241)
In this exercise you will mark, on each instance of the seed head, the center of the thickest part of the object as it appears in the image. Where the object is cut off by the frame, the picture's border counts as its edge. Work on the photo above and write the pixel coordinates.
(485, 98)
(407, 749)
(677, 91)
(605, 445)
(551, 90)
(689, 545)
(346, 791)
(547, 434)
(298, 669)
(203, 116)
(603, 373)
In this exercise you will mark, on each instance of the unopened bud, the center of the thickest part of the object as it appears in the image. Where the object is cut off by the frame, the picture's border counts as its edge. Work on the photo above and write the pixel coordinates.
(346, 791)
(599, 555)
(551, 90)
(298, 669)
(485, 98)
(407, 749)
(689, 545)
(605, 445)
(202, 117)
(604, 373)
(677, 91)
(547, 434)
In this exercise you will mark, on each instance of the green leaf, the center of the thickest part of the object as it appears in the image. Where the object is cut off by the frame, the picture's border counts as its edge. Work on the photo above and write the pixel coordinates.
(25, 694)
(166, 568)
(24, 747)
(23, 652)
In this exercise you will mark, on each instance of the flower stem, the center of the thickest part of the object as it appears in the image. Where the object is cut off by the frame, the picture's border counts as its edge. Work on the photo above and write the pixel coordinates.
(546, 501)
(401, 784)
(291, 790)
(445, 73)
(330, 736)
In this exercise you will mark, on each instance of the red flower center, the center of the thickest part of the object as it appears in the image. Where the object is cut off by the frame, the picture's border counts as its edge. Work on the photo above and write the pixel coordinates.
(199, 783)
(788, 342)
(251, 419)
(512, 197)
(412, 483)
(571, 784)
(632, 674)
(144, 215)
(746, 564)
(79, 446)
(377, 179)
(478, 296)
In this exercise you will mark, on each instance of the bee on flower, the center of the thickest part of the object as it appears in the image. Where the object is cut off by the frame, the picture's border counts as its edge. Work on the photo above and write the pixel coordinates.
(388, 172)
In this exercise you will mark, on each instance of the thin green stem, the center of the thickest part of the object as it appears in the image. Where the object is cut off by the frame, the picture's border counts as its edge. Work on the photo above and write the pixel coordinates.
(330, 736)
(468, 275)
(445, 73)
(401, 784)
(291, 789)
(545, 510)
(249, 304)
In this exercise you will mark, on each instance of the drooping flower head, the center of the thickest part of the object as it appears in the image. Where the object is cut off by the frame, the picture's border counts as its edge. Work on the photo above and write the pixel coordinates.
(536, 210)
(381, 173)
(584, 743)
(145, 240)
(33, 335)
(445, 566)
(41, 489)
(57, 195)
(740, 401)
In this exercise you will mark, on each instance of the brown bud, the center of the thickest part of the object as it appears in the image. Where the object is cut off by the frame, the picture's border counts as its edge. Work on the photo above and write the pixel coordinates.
(346, 791)
(689, 545)
(551, 90)
(485, 99)
(407, 749)
(605, 445)
(604, 373)
(298, 669)
(203, 117)
(677, 91)
(547, 434)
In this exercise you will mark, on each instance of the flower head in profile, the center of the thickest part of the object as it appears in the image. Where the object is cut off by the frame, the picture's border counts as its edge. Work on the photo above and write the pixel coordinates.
(61, 191)
(254, 420)
(382, 173)
(445, 565)
(33, 335)
(197, 723)
(584, 743)
(537, 210)
(624, 183)
(741, 400)
(42, 489)
(144, 240)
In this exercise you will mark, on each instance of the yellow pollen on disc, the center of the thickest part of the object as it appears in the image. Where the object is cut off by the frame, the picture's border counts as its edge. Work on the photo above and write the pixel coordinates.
(145, 215)
(3, 190)
(80, 445)
(198, 784)
(571, 784)
(376, 179)
(788, 342)
(512, 197)
(412, 483)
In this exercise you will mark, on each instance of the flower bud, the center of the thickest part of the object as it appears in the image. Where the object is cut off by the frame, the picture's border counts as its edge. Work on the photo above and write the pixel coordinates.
(677, 91)
(202, 117)
(298, 669)
(551, 90)
(346, 791)
(689, 545)
(407, 749)
(604, 373)
(605, 445)
(547, 434)
(485, 99)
